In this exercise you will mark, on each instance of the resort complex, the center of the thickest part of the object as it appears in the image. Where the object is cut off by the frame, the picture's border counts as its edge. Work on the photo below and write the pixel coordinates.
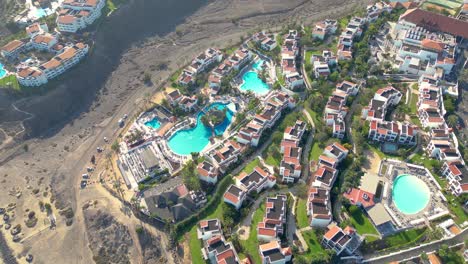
(191, 150)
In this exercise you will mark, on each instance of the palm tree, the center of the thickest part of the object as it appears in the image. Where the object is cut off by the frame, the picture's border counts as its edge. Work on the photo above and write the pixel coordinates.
(452, 120)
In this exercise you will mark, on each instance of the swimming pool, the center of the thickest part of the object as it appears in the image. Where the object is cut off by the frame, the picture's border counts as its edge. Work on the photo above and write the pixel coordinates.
(186, 141)
(154, 123)
(258, 65)
(40, 12)
(410, 194)
(252, 82)
(2, 71)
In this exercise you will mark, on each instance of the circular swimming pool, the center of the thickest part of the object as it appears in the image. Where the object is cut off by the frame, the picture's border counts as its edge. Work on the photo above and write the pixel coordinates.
(410, 194)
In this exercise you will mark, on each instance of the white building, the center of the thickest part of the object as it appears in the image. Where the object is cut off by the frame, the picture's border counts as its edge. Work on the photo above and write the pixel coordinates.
(78, 14)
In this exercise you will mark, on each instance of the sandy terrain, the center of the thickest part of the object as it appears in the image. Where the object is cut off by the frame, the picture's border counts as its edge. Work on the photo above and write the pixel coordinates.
(48, 168)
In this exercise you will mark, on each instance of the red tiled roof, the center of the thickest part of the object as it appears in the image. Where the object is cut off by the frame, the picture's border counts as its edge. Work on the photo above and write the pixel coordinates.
(332, 232)
(436, 22)
(432, 44)
(12, 45)
(356, 196)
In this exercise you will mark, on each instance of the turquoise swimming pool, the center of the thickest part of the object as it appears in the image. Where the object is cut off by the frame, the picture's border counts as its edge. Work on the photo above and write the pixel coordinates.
(410, 194)
(154, 123)
(2, 71)
(253, 83)
(258, 65)
(186, 141)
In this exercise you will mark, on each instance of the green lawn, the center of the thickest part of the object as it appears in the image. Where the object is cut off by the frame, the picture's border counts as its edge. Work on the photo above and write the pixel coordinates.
(272, 161)
(250, 167)
(315, 151)
(195, 247)
(405, 237)
(362, 224)
(10, 81)
(250, 246)
(313, 242)
(301, 213)
(280, 77)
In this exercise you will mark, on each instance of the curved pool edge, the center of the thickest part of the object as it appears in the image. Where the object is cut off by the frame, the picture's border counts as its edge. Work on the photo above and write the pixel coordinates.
(399, 201)
(197, 120)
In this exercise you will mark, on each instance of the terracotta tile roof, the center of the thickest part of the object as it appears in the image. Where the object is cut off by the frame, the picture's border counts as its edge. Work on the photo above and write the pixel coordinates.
(356, 196)
(432, 44)
(434, 259)
(66, 19)
(12, 45)
(33, 28)
(29, 72)
(269, 246)
(436, 22)
(266, 232)
(332, 232)
(44, 38)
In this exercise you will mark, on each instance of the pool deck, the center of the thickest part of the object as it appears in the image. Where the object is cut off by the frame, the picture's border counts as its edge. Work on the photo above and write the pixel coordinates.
(435, 208)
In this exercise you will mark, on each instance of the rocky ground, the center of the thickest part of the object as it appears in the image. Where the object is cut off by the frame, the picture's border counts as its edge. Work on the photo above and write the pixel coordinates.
(48, 165)
(109, 240)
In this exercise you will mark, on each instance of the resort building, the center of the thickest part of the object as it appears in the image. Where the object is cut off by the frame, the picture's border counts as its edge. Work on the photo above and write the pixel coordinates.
(350, 88)
(444, 149)
(273, 253)
(325, 177)
(341, 240)
(383, 131)
(383, 99)
(75, 15)
(337, 151)
(374, 10)
(36, 28)
(272, 225)
(324, 28)
(320, 66)
(236, 61)
(69, 57)
(337, 123)
(256, 181)
(43, 42)
(328, 161)
(207, 172)
(426, 42)
(188, 104)
(203, 61)
(360, 197)
(12, 49)
(226, 154)
(295, 132)
(235, 196)
(217, 250)
(290, 166)
(276, 103)
(457, 176)
(336, 110)
(319, 208)
(265, 41)
(174, 205)
(207, 229)
(289, 54)
(345, 43)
